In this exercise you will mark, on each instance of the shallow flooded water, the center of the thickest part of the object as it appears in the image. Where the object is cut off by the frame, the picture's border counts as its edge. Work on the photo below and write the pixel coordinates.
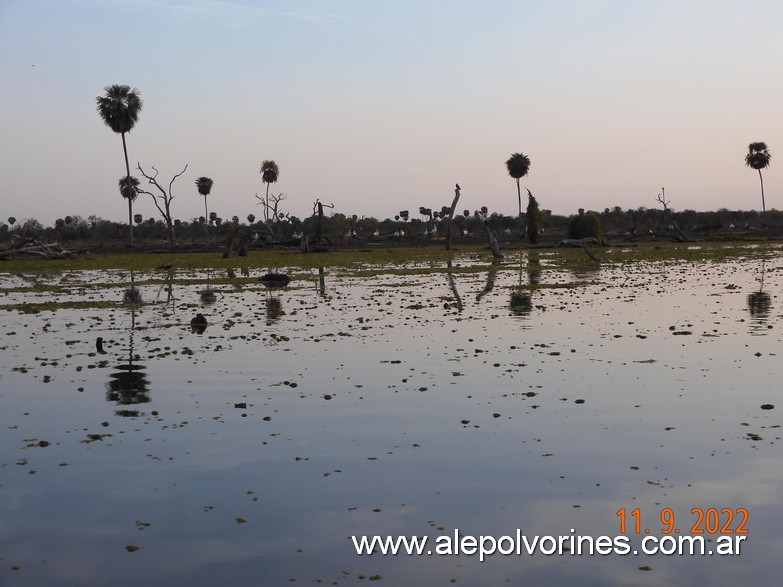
(393, 401)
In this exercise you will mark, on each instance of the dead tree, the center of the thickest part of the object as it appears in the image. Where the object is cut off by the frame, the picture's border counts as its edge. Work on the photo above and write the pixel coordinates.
(493, 242)
(163, 200)
(271, 204)
(682, 237)
(451, 215)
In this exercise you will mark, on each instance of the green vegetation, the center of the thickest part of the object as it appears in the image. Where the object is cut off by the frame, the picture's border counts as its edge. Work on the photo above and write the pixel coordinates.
(585, 226)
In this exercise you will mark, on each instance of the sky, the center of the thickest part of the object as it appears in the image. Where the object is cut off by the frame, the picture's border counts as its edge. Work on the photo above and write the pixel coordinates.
(382, 106)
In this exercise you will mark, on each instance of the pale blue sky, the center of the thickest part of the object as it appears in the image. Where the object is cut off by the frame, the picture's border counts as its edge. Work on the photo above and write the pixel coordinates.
(382, 106)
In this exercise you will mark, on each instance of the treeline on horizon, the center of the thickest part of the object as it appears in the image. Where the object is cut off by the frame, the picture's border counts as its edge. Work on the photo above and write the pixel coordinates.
(426, 224)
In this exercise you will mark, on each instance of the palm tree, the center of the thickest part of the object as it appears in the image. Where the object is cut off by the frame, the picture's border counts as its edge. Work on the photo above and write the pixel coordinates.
(758, 158)
(518, 165)
(119, 109)
(129, 187)
(204, 185)
(269, 174)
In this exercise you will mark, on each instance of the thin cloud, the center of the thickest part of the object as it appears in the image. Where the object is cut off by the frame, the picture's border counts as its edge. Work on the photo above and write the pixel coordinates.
(228, 13)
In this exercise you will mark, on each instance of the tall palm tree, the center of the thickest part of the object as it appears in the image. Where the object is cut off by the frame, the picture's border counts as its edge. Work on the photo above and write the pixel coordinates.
(758, 158)
(518, 165)
(119, 109)
(269, 174)
(204, 185)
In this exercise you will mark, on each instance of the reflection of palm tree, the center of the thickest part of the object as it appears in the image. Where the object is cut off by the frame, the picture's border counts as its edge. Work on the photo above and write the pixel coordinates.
(274, 309)
(128, 385)
(132, 294)
(522, 301)
(760, 302)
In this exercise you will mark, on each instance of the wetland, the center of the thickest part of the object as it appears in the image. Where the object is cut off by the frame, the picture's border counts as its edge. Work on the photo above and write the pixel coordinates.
(392, 392)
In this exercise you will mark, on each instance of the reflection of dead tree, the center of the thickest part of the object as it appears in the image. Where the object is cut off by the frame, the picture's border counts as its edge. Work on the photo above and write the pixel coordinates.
(681, 236)
(493, 242)
(168, 286)
(451, 215)
(491, 274)
(453, 286)
(164, 198)
(581, 242)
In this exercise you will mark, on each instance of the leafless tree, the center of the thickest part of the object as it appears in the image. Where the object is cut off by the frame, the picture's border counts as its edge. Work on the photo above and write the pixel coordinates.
(162, 200)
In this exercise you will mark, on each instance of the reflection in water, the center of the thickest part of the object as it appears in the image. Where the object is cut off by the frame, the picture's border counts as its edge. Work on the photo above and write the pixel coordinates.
(491, 275)
(453, 286)
(168, 286)
(207, 296)
(598, 406)
(759, 304)
(132, 294)
(321, 282)
(274, 308)
(198, 324)
(128, 384)
(521, 303)
(533, 268)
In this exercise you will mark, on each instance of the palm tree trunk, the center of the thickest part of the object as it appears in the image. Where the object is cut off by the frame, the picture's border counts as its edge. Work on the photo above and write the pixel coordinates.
(206, 214)
(519, 198)
(763, 204)
(130, 200)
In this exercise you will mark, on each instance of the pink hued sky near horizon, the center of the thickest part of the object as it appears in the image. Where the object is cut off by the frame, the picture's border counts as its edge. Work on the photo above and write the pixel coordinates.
(382, 107)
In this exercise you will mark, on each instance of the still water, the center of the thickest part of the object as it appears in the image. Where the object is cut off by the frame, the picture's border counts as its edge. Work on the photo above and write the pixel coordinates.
(413, 401)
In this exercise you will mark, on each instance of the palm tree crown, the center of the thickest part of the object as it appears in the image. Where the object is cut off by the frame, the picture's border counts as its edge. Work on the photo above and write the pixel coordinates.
(518, 165)
(204, 186)
(129, 187)
(758, 158)
(120, 107)
(269, 172)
